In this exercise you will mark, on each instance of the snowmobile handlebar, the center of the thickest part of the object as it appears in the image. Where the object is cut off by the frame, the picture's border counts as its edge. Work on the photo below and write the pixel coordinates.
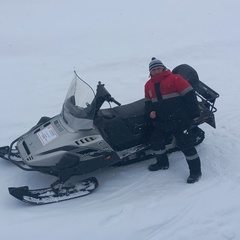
(103, 95)
(111, 99)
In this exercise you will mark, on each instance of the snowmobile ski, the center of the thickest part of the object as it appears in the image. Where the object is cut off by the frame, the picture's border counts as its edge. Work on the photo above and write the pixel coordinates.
(52, 195)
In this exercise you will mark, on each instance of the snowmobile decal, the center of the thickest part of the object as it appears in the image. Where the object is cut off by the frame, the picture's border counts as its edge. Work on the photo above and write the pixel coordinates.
(47, 135)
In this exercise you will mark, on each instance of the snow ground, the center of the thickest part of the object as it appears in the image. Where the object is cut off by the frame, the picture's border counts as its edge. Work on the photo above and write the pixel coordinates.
(42, 43)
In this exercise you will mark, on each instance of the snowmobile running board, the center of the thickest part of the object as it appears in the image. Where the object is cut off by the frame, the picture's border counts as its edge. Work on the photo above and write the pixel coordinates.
(51, 195)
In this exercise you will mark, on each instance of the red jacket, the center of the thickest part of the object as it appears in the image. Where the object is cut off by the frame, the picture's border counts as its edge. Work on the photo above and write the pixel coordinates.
(175, 103)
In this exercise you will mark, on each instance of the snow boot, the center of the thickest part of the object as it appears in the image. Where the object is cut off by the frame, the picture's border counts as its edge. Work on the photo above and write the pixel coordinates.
(161, 164)
(194, 177)
(195, 170)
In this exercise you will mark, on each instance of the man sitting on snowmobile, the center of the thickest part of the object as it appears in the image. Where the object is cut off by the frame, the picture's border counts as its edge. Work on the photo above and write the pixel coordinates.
(171, 104)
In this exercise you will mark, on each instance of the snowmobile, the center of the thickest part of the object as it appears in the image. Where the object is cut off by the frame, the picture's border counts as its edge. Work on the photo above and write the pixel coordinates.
(86, 137)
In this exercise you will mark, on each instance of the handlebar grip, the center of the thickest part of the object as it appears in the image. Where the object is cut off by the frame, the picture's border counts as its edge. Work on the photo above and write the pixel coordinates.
(116, 102)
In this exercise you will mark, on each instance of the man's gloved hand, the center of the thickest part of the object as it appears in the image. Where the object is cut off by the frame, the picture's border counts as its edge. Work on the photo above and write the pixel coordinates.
(153, 115)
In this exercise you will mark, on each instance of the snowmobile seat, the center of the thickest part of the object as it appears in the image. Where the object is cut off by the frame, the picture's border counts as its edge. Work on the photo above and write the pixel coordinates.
(134, 109)
(124, 126)
(133, 115)
(124, 111)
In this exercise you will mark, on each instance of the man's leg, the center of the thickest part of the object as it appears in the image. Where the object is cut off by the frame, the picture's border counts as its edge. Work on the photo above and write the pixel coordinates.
(185, 143)
(158, 146)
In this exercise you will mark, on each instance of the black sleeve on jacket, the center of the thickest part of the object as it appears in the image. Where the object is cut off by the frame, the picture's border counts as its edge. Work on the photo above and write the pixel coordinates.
(148, 107)
(191, 102)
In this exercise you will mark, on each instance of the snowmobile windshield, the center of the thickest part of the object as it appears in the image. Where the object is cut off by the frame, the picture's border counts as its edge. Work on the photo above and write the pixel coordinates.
(79, 105)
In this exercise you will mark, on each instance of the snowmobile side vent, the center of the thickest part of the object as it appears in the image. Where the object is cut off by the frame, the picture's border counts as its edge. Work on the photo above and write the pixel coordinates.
(37, 130)
(46, 124)
(20, 139)
(57, 124)
(26, 148)
(85, 140)
(30, 158)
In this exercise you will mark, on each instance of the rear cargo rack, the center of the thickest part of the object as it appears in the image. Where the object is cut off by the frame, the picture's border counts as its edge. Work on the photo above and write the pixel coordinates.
(206, 97)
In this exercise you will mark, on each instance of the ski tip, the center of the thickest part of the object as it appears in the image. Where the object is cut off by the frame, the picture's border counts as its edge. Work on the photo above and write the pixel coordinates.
(17, 192)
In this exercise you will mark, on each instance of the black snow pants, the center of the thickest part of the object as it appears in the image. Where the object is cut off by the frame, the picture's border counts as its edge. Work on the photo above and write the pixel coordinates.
(184, 140)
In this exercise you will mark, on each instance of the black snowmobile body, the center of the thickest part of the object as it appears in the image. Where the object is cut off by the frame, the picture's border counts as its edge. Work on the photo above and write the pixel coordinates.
(84, 137)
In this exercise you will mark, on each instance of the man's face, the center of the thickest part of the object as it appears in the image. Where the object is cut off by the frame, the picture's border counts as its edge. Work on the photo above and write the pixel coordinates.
(156, 71)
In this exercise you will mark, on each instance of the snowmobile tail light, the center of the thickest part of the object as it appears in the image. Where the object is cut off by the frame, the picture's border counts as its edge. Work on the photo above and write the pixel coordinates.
(108, 158)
